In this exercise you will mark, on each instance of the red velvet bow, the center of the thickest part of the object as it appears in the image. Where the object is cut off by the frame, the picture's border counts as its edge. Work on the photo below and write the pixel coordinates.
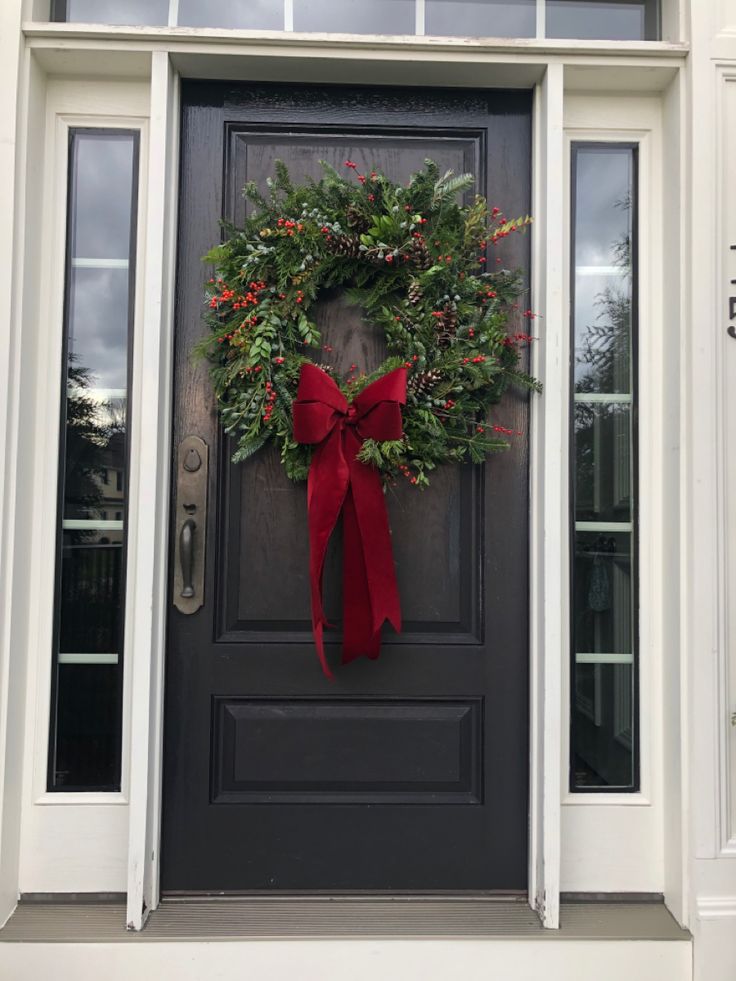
(338, 481)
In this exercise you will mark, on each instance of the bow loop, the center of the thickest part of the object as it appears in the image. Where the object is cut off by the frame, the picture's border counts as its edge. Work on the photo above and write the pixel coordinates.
(313, 421)
(316, 385)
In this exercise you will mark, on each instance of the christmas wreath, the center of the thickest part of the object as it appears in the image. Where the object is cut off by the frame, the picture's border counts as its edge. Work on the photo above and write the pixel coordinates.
(414, 260)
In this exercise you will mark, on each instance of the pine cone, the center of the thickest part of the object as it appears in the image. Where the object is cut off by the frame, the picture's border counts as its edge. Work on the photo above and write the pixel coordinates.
(420, 254)
(447, 324)
(347, 245)
(415, 292)
(450, 318)
(357, 220)
(423, 383)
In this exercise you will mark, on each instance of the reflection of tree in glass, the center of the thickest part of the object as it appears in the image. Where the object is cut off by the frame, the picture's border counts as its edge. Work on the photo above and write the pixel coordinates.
(91, 562)
(604, 353)
(85, 437)
(95, 436)
(604, 350)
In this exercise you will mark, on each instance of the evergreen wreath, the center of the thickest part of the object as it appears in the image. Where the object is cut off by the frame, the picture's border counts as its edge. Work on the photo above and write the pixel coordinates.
(415, 261)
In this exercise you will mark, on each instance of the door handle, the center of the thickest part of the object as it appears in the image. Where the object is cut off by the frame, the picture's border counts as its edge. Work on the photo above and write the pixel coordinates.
(190, 527)
(186, 557)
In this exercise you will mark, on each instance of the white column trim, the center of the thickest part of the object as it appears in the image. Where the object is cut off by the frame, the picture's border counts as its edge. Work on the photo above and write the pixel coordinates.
(147, 559)
(725, 270)
(14, 99)
(549, 501)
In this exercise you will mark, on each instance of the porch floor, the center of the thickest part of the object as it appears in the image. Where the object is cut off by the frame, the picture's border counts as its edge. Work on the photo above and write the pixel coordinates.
(272, 918)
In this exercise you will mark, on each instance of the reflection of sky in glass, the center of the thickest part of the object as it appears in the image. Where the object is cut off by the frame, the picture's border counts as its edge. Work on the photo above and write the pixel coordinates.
(481, 18)
(130, 12)
(603, 188)
(622, 21)
(103, 180)
(264, 15)
(355, 16)
(98, 325)
(602, 184)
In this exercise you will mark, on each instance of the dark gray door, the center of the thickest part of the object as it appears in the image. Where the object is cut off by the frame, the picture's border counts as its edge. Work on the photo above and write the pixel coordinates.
(409, 773)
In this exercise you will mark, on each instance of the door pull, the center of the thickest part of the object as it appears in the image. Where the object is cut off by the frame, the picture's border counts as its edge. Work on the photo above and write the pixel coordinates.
(190, 541)
(186, 555)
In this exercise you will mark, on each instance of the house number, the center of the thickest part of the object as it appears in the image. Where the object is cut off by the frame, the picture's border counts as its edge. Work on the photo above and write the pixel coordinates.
(731, 329)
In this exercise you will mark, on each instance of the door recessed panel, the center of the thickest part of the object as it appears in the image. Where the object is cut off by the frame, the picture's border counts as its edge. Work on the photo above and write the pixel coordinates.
(253, 153)
(421, 751)
(264, 560)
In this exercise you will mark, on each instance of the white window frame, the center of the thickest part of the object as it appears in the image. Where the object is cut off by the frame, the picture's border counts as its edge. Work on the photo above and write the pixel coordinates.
(634, 818)
(54, 824)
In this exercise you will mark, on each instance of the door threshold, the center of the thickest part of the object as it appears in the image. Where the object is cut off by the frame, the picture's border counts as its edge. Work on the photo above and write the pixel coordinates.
(346, 896)
(330, 918)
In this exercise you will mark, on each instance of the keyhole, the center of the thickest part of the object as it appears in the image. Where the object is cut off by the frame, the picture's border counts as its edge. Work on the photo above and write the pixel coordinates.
(192, 461)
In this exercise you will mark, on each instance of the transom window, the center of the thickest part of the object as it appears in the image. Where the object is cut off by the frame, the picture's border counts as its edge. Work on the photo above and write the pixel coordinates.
(615, 20)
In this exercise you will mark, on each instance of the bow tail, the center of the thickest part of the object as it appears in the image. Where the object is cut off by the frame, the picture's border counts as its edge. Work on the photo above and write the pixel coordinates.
(370, 591)
(326, 489)
(360, 637)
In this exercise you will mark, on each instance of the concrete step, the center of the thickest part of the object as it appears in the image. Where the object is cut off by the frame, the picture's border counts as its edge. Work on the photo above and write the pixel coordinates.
(355, 939)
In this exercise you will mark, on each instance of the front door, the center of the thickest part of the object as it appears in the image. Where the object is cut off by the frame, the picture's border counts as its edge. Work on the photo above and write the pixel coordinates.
(408, 773)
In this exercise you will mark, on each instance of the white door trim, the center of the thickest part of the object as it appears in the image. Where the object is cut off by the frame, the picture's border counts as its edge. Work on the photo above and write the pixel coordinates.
(149, 515)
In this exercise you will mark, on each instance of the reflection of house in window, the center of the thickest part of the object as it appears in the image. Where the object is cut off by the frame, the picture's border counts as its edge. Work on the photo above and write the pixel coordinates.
(112, 482)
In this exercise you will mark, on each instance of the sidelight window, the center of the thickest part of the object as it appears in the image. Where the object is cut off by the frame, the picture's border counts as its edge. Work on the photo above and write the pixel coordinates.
(604, 729)
(614, 20)
(87, 667)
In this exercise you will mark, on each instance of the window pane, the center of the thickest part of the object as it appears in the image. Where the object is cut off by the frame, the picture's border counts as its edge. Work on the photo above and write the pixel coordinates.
(263, 15)
(603, 614)
(615, 20)
(481, 18)
(604, 667)
(603, 286)
(603, 705)
(154, 13)
(98, 327)
(102, 166)
(84, 750)
(355, 16)
(602, 461)
(603, 594)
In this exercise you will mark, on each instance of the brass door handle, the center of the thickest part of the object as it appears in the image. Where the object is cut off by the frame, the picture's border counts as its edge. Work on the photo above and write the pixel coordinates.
(186, 557)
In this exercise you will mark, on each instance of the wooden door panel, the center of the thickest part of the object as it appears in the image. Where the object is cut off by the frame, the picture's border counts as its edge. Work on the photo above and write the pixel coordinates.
(265, 584)
(265, 577)
(360, 750)
(409, 773)
(252, 154)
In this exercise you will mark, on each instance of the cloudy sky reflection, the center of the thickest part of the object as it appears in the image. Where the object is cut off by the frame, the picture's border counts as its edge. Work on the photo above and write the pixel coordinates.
(98, 325)
(102, 197)
(355, 16)
(481, 18)
(128, 12)
(262, 15)
(603, 188)
(619, 21)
